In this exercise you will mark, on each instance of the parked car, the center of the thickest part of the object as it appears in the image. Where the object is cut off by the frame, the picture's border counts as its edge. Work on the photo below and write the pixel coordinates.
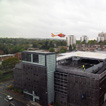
(8, 97)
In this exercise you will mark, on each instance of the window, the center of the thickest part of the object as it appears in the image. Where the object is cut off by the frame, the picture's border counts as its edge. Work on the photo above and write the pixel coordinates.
(35, 58)
(28, 57)
(23, 56)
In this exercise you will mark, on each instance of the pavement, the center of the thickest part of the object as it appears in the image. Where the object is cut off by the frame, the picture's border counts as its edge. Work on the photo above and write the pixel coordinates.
(104, 104)
(18, 99)
(31, 103)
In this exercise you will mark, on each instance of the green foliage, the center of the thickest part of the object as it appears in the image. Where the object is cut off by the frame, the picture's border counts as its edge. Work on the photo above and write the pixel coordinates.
(1, 67)
(92, 42)
(57, 104)
(10, 62)
(6, 76)
(18, 90)
(13, 45)
(46, 44)
(104, 42)
(62, 50)
(51, 49)
(70, 48)
(74, 47)
(0, 72)
(78, 42)
(10, 45)
(83, 42)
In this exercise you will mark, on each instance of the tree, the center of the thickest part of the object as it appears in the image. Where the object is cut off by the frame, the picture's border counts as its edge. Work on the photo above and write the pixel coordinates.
(92, 42)
(62, 50)
(51, 49)
(10, 62)
(70, 48)
(74, 47)
(0, 72)
(83, 42)
(78, 42)
(104, 42)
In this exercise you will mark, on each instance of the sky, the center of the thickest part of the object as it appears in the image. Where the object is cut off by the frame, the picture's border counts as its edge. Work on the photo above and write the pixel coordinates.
(40, 18)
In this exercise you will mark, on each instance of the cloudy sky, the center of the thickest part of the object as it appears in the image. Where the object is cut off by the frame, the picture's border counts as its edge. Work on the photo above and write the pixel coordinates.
(40, 18)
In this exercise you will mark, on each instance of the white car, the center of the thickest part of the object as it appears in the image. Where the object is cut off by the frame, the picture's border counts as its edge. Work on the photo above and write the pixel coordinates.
(8, 97)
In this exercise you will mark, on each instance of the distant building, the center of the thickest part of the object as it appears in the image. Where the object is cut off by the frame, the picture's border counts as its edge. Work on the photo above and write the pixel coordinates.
(18, 55)
(102, 34)
(90, 47)
(59, 48)
(33, 49)
(1, 52)
(71, 40)
(99, 39)
(84, 38)
(3, 57)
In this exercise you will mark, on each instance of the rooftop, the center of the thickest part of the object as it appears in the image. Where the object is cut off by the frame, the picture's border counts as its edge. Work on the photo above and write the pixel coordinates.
(90, 55)
(91, 62)
(39, 52)
(5, 55)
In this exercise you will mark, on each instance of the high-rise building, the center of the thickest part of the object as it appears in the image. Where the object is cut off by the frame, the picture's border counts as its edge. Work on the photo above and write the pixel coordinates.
(102, 35)
(70, 40)
(84, 38)
(35, 76)
(99, 39)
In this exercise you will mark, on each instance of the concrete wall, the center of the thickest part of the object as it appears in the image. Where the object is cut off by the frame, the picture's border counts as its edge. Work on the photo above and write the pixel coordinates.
(82, 89)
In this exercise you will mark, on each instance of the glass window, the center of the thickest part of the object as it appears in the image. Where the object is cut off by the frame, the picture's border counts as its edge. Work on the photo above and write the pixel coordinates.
(28, 57)
(35, 58)
(23, 56)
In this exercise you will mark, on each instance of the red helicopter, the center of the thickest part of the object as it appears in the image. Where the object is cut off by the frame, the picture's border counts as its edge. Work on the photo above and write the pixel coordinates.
(60, 35)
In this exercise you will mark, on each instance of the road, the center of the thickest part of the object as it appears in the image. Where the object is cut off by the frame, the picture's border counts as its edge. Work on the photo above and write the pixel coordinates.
(18, 100)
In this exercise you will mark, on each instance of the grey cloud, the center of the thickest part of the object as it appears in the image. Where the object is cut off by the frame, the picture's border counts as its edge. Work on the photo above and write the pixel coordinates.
(39, 18)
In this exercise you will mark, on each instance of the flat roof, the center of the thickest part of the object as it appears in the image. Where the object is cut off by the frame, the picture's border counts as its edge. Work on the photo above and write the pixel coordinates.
(38, 51)
(90, 55)
(69, 68)
(5, 55)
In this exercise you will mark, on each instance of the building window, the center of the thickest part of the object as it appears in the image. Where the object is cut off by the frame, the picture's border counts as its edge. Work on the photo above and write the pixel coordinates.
(28, 57)
(35, 58)
(23, 56)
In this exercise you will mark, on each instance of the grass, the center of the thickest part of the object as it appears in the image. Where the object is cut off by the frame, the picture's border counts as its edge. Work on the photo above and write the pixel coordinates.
(17, 90)
(6, 76)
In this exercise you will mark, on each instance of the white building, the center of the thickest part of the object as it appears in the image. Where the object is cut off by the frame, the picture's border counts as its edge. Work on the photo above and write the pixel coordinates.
(84, 38)
(71, 40)
(103, 35)
(100, 39)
